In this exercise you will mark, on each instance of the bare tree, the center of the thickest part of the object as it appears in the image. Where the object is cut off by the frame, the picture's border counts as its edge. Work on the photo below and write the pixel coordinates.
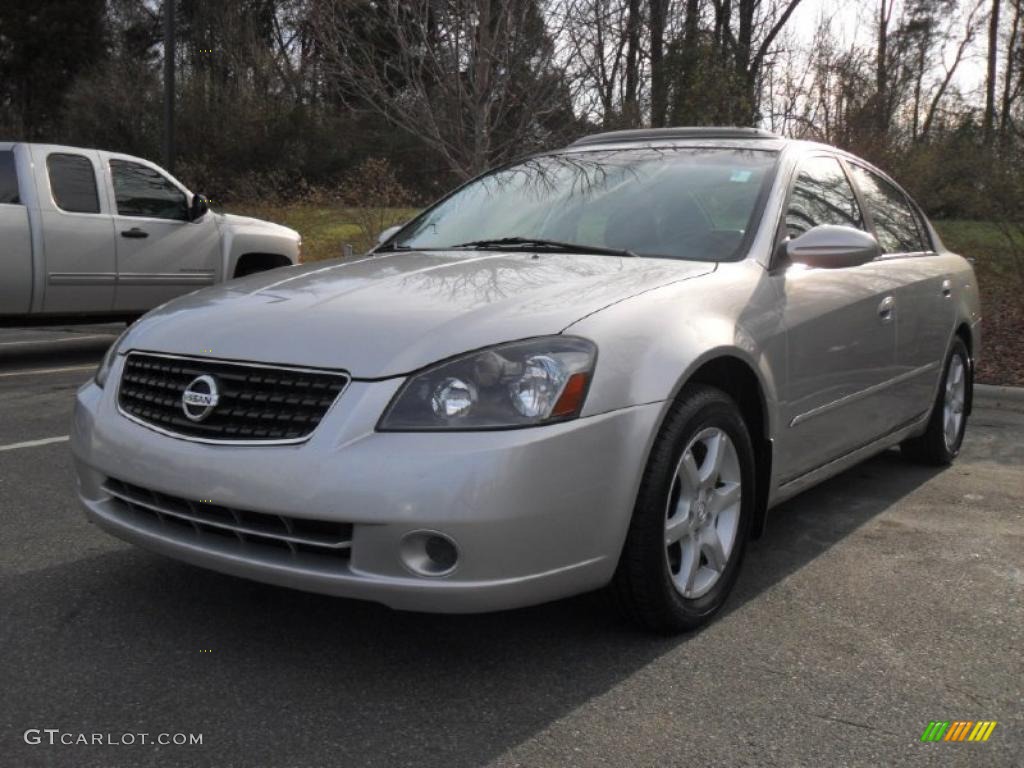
(971, 25)
(757, 25)
(473, 79)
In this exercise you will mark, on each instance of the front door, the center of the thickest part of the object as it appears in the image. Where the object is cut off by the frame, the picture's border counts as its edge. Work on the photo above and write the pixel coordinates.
(841, 333)
(160, 253)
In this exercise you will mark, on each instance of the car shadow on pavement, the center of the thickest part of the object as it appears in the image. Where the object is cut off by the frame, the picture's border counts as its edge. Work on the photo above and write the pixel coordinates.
(132, 641)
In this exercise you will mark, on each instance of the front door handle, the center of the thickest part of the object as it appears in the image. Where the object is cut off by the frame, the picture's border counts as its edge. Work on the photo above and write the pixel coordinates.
(887, 309)
(947, 288)
(134, 233)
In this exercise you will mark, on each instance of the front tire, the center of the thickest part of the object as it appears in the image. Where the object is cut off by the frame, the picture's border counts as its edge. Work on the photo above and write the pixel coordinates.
(944, 436)
(692, 517)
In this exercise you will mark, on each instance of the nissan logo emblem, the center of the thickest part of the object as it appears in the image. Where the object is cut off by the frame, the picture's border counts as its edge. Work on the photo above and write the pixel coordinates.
(200, 398)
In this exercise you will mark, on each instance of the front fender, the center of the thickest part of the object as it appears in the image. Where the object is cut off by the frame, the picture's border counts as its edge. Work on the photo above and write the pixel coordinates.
(241, 236)
(651, 345)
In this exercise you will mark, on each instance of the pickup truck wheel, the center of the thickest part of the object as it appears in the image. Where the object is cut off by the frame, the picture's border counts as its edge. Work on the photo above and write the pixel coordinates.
(941, 442)
(692, 517)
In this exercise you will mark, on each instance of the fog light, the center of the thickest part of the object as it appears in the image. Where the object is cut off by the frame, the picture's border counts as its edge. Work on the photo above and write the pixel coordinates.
(429, 553)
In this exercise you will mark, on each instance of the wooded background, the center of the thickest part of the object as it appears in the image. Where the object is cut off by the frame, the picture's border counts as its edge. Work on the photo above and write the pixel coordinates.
(280, 97)
(341, 117)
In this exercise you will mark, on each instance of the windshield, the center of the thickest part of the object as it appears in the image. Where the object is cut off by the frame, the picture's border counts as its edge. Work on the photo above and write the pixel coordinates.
(690, 203)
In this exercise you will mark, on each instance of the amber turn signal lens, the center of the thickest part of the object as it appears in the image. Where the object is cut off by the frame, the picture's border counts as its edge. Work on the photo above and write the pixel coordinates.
(571, 399)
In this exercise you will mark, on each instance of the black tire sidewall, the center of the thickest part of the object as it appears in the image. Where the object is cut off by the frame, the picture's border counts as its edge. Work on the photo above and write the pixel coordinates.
(959, 349)
(704, 407)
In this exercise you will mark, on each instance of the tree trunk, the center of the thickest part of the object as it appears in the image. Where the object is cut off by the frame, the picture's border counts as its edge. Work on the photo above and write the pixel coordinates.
(1011, 52)
(630, 100)
(990, 78)
(659, 89)
(882, 70)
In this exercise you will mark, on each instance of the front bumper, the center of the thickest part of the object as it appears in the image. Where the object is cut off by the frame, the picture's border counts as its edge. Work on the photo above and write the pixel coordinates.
(537, 514)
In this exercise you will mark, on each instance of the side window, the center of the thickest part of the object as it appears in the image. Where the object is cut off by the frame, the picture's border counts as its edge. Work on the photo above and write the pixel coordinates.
(895, 222)
(141, 191)
(822, 195)
(8, 179)
(73, 183)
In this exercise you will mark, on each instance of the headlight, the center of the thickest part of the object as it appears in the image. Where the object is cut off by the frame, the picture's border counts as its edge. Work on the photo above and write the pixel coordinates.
(108, 360)
(521, 384)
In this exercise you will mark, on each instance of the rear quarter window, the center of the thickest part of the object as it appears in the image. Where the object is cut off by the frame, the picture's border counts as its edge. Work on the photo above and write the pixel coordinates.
(73, 183)
(896, 222)
(8, 179)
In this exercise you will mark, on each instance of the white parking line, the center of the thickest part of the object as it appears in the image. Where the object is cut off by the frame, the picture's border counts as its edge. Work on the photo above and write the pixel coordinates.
(34, 443)
(51, 370)
(57, 341)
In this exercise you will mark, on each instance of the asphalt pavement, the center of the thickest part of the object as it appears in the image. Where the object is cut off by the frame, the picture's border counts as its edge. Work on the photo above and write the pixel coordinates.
(884, 599)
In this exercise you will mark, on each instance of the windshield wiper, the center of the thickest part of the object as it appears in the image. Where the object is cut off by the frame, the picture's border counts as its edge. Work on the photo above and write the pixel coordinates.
(541, 244)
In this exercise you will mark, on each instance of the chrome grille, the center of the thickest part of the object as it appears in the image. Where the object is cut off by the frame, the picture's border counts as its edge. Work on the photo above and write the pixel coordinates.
(257, 403)
(205, 519)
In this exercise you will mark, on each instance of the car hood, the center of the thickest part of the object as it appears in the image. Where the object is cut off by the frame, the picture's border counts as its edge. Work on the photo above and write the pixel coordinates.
(391, 313)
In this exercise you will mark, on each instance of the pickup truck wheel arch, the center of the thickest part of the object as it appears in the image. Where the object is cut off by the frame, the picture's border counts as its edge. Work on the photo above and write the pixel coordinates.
(251, 263)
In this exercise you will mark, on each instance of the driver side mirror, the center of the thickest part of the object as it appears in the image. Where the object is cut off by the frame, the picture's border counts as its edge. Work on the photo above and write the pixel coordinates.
(829, 246)
(388, 233)
(198, 208)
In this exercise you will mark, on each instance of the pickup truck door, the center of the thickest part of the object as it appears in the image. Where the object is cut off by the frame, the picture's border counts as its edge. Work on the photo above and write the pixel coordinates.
(77, 231)
(160, 253)
(924, 320)
(840, 333)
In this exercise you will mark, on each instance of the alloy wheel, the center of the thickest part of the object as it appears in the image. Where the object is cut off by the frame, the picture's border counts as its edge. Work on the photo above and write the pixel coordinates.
(703, 512)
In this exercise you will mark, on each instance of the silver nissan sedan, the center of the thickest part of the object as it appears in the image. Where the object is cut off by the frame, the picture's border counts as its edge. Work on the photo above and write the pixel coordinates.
(594, 368)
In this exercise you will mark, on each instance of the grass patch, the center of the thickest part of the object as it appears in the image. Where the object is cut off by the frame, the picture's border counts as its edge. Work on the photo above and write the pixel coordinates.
(327, 228)
(985, 242)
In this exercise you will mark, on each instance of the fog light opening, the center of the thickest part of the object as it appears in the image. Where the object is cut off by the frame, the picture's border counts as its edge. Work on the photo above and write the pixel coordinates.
(429, 553)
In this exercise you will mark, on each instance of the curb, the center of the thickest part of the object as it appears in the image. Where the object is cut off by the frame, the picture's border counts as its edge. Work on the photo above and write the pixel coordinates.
(991, 396)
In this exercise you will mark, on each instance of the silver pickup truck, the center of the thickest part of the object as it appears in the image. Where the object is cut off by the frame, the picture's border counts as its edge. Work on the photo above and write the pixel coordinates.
(87, 235)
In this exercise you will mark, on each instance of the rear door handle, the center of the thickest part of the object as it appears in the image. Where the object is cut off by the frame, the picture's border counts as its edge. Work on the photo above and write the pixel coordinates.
(947, 288)
(887, 309)
(134, 233)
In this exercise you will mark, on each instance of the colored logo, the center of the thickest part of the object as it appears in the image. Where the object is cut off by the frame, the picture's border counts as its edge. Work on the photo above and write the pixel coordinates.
(958, 730)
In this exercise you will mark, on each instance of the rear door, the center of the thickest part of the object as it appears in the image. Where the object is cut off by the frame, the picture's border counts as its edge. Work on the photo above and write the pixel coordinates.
(16, 252)
(160, 253)
(840, 332)
(925, 310)
(77, 231)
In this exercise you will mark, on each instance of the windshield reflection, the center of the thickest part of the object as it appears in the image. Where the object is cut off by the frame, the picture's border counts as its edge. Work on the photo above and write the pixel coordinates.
(681, 203)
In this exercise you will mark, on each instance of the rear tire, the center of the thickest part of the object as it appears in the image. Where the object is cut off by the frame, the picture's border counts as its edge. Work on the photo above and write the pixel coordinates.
(692, 517)
(944, 436)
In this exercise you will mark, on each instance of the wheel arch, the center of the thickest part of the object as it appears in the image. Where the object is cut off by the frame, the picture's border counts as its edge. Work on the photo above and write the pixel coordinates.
(731, 371)
(255, 261)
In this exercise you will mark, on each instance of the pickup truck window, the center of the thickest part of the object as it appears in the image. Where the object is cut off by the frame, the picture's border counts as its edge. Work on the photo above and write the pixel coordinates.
(73, 183)
(8, 179)
(141, 191)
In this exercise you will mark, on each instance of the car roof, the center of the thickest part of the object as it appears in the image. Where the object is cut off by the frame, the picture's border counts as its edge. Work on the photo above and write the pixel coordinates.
(647, 135)
(724, 137)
